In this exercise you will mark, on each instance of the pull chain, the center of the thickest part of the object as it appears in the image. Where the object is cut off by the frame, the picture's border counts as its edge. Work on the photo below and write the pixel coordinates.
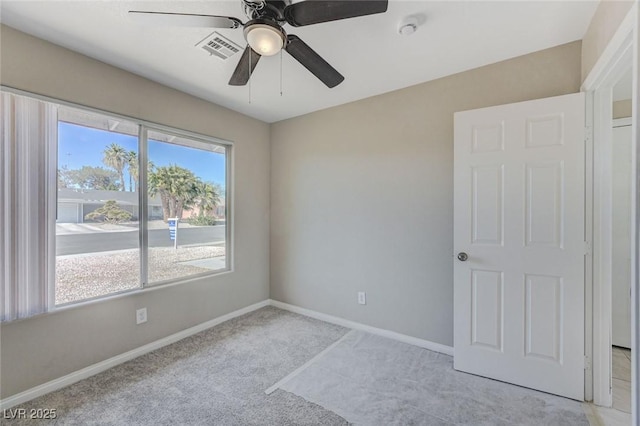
(280, 72)
(249, 72)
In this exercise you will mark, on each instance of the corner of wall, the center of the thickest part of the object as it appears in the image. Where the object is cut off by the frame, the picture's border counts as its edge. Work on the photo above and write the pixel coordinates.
(606, 20)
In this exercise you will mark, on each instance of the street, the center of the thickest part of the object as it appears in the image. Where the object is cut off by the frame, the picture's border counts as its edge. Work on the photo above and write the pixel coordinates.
(107, 241)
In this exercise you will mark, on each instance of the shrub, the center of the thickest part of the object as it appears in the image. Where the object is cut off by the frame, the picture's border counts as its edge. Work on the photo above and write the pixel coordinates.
(202, 220)
(109, 213)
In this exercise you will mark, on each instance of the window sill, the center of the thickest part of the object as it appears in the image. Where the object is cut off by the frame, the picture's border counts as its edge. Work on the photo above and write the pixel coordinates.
(126, 293)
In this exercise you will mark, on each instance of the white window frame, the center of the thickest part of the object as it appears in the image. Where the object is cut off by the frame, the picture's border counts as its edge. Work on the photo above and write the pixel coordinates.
(144, 126)
(142, 148)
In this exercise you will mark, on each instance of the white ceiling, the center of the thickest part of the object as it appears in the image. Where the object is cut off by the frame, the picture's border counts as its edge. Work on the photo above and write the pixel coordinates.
(453, 36)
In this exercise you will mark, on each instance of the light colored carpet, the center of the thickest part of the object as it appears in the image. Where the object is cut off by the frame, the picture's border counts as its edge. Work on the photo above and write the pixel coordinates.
(216, 377)
(219, 377)
(371, 380)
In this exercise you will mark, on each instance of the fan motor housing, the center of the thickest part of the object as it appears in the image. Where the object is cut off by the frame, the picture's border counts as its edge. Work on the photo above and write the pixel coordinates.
(272, 9)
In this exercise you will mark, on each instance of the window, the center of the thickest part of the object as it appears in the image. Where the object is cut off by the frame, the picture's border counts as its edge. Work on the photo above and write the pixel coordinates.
(120, 205)
(97, 209)
(186, 188)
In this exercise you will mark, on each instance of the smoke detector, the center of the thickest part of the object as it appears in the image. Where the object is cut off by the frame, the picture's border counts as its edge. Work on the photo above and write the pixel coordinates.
(408, 26)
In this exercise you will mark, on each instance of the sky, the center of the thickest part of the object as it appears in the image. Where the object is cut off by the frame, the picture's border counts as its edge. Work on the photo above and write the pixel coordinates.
(83, 146)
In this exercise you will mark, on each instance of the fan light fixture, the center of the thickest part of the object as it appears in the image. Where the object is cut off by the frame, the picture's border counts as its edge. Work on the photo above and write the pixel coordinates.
(265, 34)
(264, 39)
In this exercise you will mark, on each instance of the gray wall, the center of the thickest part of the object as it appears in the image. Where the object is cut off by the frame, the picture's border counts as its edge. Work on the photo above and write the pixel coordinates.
(45, 347)
(622, 109)
(362, 194)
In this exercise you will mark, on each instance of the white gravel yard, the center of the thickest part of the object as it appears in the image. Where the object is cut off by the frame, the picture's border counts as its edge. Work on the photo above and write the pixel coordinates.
(90, 275)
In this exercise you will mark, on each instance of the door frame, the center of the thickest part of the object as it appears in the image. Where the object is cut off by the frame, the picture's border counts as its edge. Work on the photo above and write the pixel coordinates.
(618, 56)
(619, 123)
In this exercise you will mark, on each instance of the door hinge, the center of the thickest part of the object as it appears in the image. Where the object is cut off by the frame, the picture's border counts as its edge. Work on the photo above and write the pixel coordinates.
(587, 363)
(588, 134)
(587, 248)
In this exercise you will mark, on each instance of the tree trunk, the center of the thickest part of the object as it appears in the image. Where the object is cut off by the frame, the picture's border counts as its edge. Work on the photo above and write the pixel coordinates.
(165, 206)
(179, 209)
(172, 206)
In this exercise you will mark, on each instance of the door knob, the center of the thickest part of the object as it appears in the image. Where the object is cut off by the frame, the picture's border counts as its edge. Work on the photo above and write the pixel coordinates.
(462, 256)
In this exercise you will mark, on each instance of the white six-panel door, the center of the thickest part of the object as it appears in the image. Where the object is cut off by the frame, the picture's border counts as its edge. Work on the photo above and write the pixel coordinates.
(519, 218)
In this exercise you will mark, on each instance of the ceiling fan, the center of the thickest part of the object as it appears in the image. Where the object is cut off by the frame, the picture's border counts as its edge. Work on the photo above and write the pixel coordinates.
(265, 34)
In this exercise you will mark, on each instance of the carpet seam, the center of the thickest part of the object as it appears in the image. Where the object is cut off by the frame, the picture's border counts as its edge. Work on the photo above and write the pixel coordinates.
(306, 365)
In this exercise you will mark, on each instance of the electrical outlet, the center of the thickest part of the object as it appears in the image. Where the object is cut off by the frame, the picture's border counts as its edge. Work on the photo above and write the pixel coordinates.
(141, 315)
(362, 298)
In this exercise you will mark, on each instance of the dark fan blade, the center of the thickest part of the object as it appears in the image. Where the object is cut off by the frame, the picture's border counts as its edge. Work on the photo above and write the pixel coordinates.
(313, 62)
(185, 19)
(242, 73)
(315, 11)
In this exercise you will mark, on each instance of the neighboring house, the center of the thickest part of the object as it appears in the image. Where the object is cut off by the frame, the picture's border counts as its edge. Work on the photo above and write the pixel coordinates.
(75, 204)
(218, 211)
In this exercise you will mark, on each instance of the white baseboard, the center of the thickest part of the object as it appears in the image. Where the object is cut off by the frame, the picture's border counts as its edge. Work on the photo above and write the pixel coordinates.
(432, 346)
(99, 367)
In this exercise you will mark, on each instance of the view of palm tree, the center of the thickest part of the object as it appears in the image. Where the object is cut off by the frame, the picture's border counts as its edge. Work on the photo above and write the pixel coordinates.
(132, 164)
(115, 156)
(178, 187)
(208, 197)
(100, 211)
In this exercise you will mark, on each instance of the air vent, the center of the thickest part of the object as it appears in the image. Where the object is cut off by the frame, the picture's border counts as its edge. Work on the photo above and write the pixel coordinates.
(216, 44)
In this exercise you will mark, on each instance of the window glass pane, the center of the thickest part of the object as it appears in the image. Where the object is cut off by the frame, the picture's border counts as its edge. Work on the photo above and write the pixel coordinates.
(187, 209)
(97, 232)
